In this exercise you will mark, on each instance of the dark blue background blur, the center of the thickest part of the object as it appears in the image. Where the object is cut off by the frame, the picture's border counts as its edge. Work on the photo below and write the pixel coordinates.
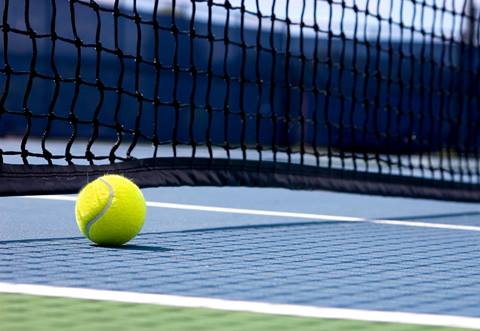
(250, 86)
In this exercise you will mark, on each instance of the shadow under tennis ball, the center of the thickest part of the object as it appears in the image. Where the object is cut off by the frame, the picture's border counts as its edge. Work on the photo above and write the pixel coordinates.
(136, 248)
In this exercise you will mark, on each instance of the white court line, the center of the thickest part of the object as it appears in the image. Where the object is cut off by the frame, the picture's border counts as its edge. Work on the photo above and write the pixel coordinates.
(257, 212)
(243, 306)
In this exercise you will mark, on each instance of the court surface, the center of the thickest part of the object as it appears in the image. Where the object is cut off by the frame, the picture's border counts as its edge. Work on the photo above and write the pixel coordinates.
(260, 254)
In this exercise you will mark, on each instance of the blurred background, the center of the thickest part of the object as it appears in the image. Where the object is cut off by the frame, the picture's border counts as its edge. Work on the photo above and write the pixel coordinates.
(391, 76)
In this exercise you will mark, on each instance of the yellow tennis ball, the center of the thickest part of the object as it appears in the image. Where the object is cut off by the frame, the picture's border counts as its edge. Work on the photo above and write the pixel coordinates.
(110, 210)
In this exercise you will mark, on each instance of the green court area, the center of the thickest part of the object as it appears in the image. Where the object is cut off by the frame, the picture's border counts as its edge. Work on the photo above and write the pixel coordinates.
(25, 312)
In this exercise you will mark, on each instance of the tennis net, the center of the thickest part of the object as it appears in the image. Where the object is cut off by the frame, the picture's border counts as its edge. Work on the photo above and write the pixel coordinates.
(373, 97)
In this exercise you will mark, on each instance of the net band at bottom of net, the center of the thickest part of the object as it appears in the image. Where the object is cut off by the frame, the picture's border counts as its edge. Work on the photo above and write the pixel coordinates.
(47, 179)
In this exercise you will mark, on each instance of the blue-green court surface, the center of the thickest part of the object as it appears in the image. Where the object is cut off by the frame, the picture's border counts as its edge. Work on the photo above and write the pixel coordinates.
(244, 258)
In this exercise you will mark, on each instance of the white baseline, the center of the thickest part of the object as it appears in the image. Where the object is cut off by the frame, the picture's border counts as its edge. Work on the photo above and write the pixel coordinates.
(257, 212)
(242, 306)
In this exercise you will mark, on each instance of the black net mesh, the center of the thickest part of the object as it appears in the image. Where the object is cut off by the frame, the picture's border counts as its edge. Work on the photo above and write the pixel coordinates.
(364, 96)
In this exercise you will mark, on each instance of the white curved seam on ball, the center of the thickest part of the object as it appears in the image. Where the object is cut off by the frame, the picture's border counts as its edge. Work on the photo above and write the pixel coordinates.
(104, 210)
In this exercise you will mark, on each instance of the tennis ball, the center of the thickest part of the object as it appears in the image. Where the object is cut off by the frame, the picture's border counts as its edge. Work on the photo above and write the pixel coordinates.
(110, 210)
